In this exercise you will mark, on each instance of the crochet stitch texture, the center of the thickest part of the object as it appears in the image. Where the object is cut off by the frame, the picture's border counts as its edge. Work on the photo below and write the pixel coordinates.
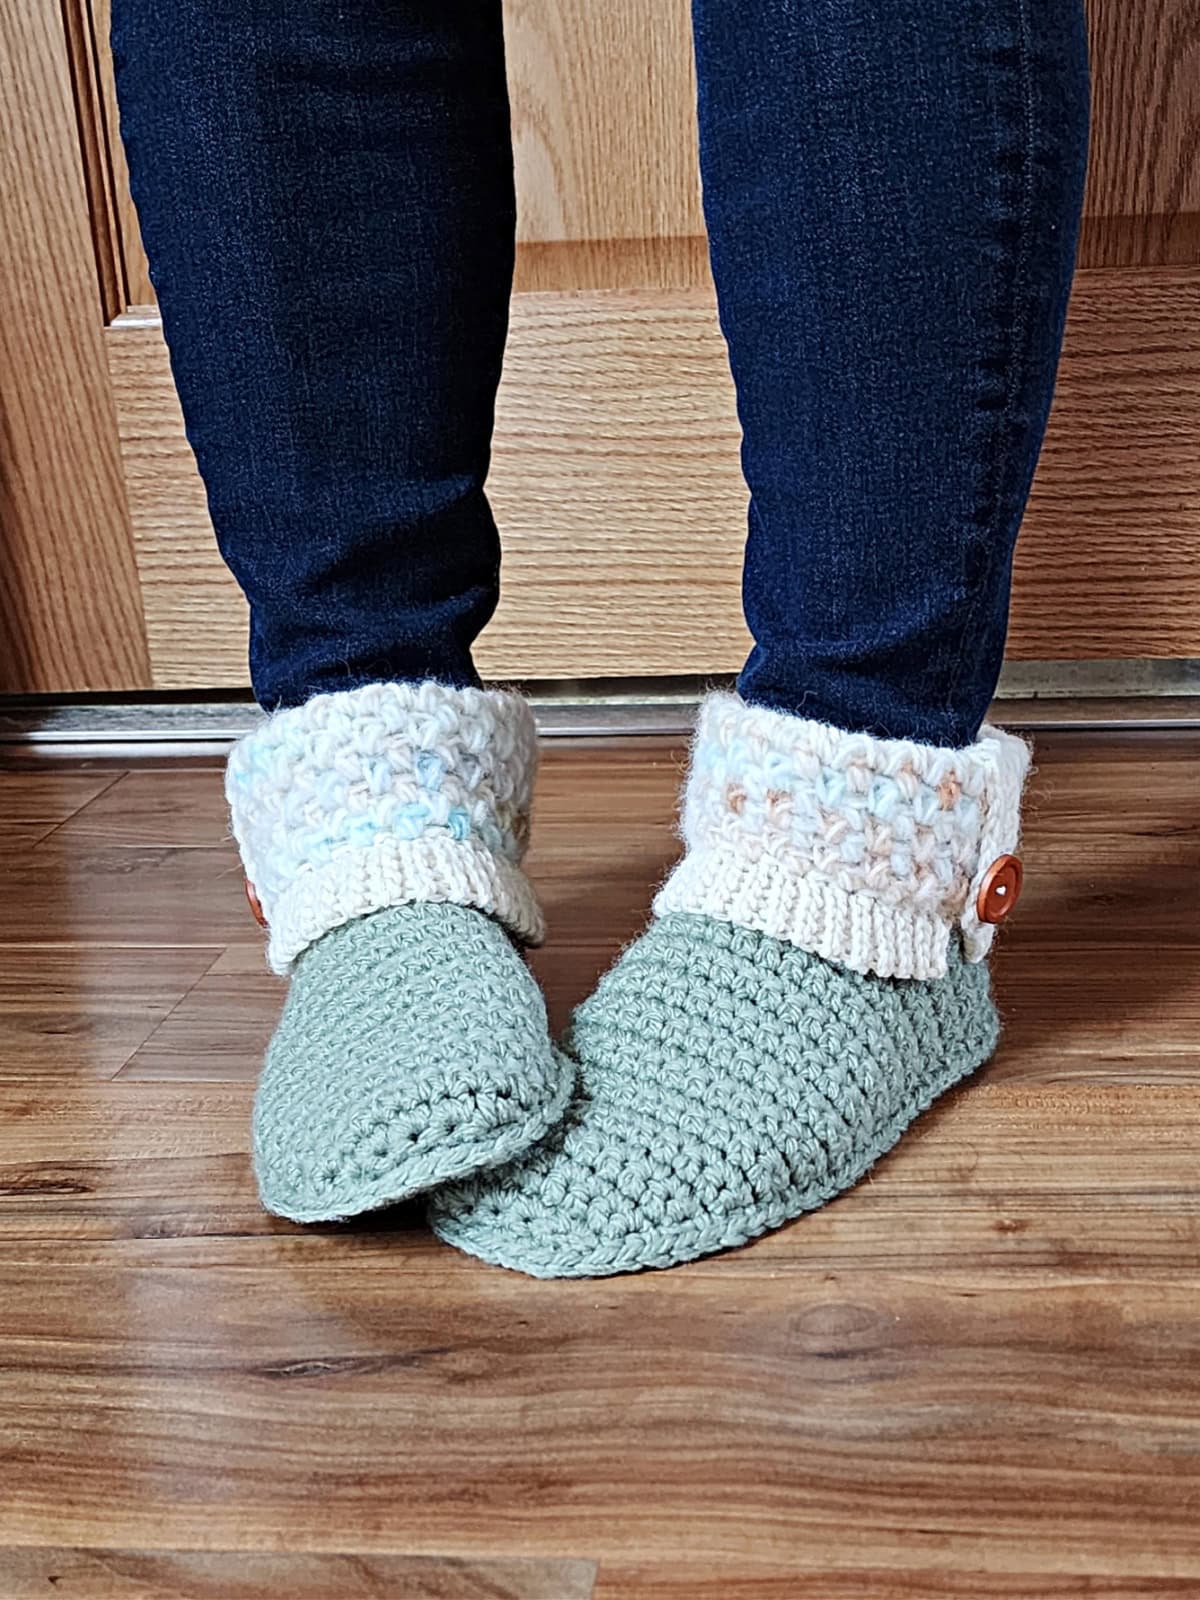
(413, 1049)
(382, 829)
(372, 797)
(728, 1082)
(866, 851)
(814, 980)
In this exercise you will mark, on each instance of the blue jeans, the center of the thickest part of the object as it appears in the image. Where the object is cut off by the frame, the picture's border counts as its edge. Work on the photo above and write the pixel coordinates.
(892, 194)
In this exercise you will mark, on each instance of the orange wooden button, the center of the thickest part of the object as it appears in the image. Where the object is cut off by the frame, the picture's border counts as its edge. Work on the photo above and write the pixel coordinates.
(255, 904)
(1000, 889)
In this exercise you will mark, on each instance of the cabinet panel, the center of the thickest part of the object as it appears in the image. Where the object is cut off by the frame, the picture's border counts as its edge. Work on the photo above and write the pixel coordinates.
(617, 486)
(604, 140)
(615, 476)
(1143, 199)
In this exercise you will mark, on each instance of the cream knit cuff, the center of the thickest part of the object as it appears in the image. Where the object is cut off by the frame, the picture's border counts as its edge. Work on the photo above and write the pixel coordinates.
(865, 851)
(378, 796)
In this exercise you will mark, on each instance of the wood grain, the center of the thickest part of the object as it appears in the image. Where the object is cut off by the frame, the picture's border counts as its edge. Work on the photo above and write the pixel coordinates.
(170, 807)
(604, 126)
(570, 266)
(135, 268)
(619, 406)
(70, 611)
(617, 403)
(1114, 495)
(977, 1375)
(1000, 1181)
(246, 1575)
(76, 1011)
(1143, 197)
(86, 53)
(604, 143)
(218, 1031)
(34, 803)
(722, 1581)
(816, 1407)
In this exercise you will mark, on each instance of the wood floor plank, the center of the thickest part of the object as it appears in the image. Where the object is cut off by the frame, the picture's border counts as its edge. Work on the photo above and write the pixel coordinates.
(137, 897)
(976, 1375)
(220, 1029)
(716, 1580)
(114, 1159)
(81, 1010)
(1097, 1011)
(1046, 1178)
(1039, 1426)
(176, 807)
(32, 804)
(30, 1574)
(598, 849)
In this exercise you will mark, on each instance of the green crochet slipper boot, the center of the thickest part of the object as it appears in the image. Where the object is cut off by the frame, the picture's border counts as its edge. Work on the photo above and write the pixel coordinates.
(728, 1082)
(814, 980)
(413, 1048)
(382, 830)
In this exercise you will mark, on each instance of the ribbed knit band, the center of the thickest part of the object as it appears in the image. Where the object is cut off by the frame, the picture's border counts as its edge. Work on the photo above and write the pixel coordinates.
(865, 851)
(383, 795)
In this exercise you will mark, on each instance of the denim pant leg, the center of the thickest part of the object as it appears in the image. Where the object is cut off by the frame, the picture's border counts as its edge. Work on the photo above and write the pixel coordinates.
(326, 197)
(892, 194)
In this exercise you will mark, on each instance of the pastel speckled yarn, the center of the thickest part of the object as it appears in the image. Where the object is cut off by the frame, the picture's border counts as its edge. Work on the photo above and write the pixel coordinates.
(866, 851)
(375, 796)
(382, 829)
(728, 1082)
(813, 981)
(413, 1048)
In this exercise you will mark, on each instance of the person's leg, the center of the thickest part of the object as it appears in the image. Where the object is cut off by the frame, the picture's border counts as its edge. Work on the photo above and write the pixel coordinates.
(892, 195)
(893, 209)
(325, 193)
(326, 197)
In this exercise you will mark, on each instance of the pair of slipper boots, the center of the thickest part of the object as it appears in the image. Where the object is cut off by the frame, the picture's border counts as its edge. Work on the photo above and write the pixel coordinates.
(812, 979)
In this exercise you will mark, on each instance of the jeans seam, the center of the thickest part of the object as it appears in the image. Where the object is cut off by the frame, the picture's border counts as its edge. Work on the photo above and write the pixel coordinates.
(993, 475)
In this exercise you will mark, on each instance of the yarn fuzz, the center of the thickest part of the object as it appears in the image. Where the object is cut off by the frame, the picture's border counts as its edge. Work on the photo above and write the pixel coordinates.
(382, 796)
(866, 851)
(727, 1082)
(413, 1048)
(813, 980)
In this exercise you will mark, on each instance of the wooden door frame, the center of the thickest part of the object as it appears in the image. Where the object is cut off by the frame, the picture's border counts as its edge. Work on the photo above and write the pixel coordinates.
(70, 603)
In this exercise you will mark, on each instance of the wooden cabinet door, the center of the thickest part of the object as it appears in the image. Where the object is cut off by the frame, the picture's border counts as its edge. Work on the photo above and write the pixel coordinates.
(616, 478)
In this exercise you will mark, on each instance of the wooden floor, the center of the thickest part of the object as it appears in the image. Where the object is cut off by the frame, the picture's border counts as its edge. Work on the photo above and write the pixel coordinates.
(977, 1375)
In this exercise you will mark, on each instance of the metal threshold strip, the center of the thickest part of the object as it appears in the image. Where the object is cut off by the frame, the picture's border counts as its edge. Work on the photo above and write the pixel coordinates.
(1088, 696)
